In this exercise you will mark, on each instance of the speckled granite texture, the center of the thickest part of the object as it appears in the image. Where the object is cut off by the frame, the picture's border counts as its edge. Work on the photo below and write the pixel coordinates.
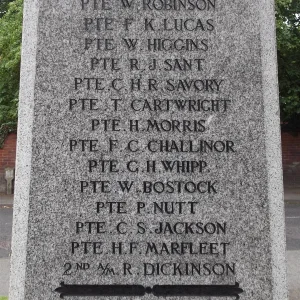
(87, 98)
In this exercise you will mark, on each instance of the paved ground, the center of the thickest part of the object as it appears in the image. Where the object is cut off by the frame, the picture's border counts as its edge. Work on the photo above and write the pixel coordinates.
(6, 200)
(4, 276)
(293, 267)
(5, 234)
(6, 213)
(292, 220)
(292, 217)
(292, 194)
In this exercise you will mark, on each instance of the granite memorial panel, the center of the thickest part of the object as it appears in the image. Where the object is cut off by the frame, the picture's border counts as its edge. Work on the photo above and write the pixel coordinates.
(148, 152)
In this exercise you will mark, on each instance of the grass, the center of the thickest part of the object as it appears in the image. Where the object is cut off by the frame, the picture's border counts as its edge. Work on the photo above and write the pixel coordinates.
(3, 298)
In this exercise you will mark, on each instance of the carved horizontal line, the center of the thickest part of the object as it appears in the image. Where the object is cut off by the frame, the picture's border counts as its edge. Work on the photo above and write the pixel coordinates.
(157, 290)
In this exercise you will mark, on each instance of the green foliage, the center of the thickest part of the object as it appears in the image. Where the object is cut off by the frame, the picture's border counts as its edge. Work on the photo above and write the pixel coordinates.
(3, 298)
(3, 6)
(10, 57)
(5, 130)
(288, 45)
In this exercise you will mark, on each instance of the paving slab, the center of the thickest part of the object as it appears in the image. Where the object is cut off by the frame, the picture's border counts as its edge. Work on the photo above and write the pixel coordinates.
(4, 275)
(6, 200)
(293, 267)
(291, 194)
